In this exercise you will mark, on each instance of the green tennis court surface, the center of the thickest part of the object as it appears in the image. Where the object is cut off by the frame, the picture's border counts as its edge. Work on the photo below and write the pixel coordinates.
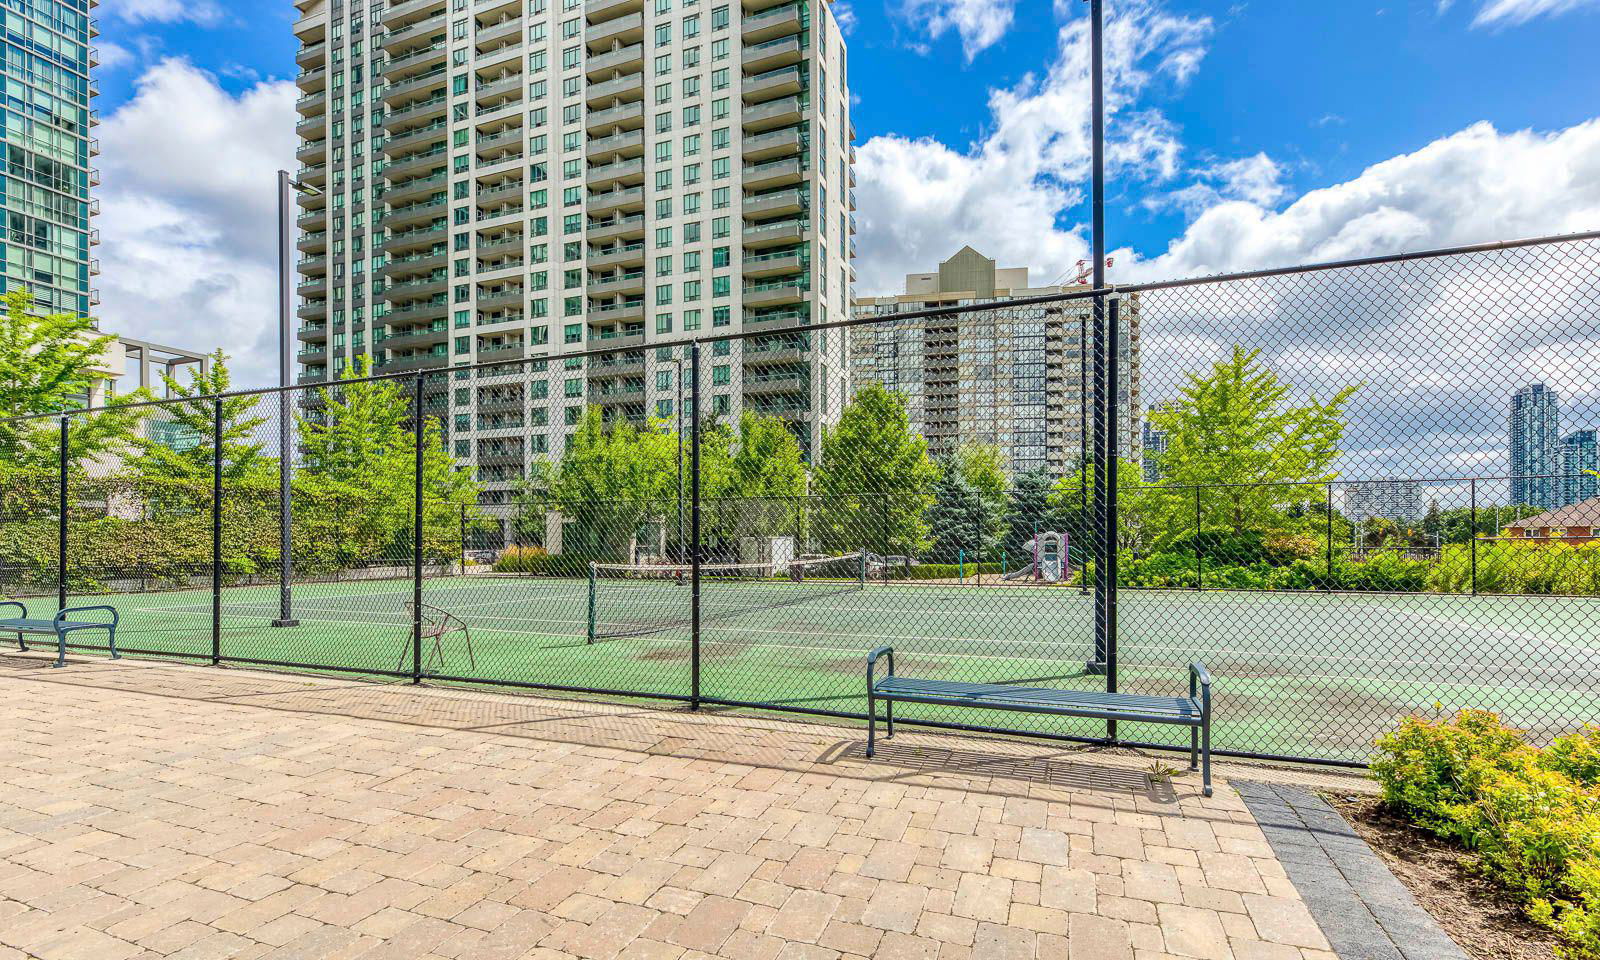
(1306, 674)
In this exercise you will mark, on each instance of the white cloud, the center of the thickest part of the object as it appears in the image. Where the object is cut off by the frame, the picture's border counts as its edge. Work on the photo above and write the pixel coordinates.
(190, 215)
(1257, 180)
(203, 12)
(114, 55)
(921, 200)
(845, 14)
(1510, 13)
(979, 23)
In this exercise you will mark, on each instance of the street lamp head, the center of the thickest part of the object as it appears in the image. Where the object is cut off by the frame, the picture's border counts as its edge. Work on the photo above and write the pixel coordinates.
(305, 188)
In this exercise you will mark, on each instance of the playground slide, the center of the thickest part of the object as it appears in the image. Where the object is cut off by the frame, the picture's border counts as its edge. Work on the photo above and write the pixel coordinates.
(1026, 571)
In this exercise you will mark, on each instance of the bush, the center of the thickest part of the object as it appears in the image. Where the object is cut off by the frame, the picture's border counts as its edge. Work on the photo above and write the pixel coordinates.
(536, 561)
(1531, 815)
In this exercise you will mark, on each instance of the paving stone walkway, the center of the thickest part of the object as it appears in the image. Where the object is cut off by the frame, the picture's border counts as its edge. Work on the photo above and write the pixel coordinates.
(152, 810)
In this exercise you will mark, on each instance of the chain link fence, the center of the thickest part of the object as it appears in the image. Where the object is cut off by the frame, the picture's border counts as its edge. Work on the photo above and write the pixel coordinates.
(1354, 491)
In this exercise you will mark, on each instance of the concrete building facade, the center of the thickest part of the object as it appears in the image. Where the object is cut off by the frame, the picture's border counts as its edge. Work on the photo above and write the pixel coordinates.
(49, 148)
(1010, 377)
(513, 179)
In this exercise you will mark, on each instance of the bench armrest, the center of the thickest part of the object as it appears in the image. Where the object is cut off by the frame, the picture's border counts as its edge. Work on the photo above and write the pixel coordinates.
(1200, 682)
(872, 661)
(61, 616)
(22, 610)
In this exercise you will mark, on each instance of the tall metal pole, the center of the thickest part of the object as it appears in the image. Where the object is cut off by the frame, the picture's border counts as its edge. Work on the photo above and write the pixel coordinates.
(1113, 458)
(1104, 407)
(61, 528)
(694, 529)
(216, 532)
(416, 534)
(679, 408)
(285, 503)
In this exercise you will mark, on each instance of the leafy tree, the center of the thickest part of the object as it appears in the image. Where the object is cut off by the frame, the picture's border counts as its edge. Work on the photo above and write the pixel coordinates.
(47, 365)
(612, 479)
(1028, 511)
(960, 518)
(769, 462)
(1141, 510)
(874, 478)
(1234, 433)
(192, 414)
(979, 466)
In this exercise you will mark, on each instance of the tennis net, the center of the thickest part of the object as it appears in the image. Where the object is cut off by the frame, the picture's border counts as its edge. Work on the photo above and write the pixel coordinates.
(631, 600)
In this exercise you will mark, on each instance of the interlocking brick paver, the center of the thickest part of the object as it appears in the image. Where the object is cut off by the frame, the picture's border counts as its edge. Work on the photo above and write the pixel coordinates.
(209, 813)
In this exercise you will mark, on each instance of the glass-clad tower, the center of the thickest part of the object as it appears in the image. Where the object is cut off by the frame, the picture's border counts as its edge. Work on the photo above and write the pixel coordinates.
(48, 149)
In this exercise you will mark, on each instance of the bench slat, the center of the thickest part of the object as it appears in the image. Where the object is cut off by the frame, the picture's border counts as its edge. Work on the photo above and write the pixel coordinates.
(30, 626)
(958, 693)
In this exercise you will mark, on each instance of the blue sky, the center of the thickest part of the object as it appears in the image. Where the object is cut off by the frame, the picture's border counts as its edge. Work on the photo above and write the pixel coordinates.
(1243, 135)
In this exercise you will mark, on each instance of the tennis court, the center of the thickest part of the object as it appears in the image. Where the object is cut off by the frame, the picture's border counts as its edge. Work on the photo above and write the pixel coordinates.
(1315, 674)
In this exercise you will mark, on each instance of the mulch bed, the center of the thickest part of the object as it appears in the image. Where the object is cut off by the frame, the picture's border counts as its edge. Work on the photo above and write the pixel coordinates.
(1480, 917)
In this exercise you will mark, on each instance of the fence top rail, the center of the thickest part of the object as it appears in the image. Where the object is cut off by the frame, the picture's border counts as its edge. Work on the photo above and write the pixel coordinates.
(1088, 293)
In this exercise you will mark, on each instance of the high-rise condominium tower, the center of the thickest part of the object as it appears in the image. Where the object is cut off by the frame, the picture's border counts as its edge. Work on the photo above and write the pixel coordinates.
(531, 178)
(48, 149)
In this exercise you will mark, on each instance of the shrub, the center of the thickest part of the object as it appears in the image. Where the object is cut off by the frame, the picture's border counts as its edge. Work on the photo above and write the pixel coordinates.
(1531, 815)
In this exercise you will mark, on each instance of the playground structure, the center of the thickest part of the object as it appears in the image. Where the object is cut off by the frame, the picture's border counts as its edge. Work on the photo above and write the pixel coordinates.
(1050, 564)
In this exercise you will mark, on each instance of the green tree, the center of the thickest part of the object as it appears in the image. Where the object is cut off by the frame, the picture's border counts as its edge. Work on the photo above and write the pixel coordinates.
(191, 414)
(1028, 511)
(874, 478)
(48, 364)
(1235, 433)
(960, 519)
(978, 465)
(1141, 510)
(612, 479)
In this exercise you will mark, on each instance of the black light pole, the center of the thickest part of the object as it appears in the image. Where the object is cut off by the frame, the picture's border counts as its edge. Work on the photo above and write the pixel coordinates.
(286, 185)
(1105, 407)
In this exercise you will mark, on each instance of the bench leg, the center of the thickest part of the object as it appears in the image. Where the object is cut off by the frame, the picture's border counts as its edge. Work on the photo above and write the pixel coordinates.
(61, 649)
(22, 644)
(1194, 748)
(111, 641)
(888, 715)
(1205, 756)
(872, 720)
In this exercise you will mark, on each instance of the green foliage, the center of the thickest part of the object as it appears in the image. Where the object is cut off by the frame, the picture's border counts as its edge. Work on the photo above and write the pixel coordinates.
(1532, 816)
(536, 562)
(1235, 433)
(1028, 511)
(961, 519)
(1569, 569)
(193, 415)
(613, 478)
(874, 479)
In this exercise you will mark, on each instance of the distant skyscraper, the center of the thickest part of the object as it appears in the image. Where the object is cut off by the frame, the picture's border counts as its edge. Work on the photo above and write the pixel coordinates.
(1578, 456)
(1155, 444)
(1535, 428)
(45, 195)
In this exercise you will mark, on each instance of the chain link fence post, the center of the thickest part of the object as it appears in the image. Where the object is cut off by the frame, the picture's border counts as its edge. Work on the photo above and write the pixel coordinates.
(61, 531)
(216, 531)
(695, 545)
(416, 532)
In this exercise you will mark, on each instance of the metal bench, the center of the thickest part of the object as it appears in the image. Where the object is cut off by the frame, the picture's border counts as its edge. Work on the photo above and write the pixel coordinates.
(59, 627)
(1193, 711)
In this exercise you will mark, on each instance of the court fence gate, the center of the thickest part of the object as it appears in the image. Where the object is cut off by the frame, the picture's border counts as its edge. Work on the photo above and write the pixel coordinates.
(1354, 490)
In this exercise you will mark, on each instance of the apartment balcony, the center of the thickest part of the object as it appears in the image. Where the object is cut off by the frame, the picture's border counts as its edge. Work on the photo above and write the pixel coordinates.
(628, 312)
(416, 361)
(617, 365)
(769, 24)
(424, 262)
(626, 87)
(311, 149)
(312, 376)
(493, 317)
(627, 283)
(775, 234)
(501, 263)
(629, 59)
(314, 287)
(507, 27)
(426, 30)
(500, 456)
(502, 210)
(312, 127)
(775, 320)
(782, 82)
(773, 264)
(774, 293)
(315, 265)
(312, 219)
(416, 187)
(624, 200)
(312, 78)
(773, 173)
(501, 403)
(625, 29)
(599, 10)
(426, 285)
(400, 15)
(312, 309)
(776, 204)
(312, 332)
(512, 241)
(417, 238)
(752, 6)
(616, 228)
(618, 146)
(415, 137)
(418, 162)
(618, 338)
(626, 116)
(773, 145)
(776, 382)
(499, 84)
(312, 54)
(405, 116)
(399, 91)
(497, 194)
(425, 310)
(616, 391)
(625, 172)
(410, 338)
(776, 351)
(313, 353)
(628, 255)
(415, 62)
(501, 145)
(314, 174)
(772, 54)
(420, 211)
(495, 298)
(773, 113)
(310, 242)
